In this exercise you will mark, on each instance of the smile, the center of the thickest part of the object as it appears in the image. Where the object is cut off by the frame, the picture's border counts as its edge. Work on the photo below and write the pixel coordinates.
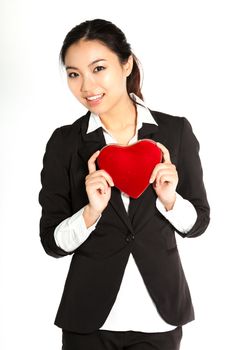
(94, 98)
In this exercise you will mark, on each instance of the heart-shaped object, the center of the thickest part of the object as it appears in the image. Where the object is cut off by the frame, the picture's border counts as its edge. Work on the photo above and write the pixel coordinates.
(130, 166)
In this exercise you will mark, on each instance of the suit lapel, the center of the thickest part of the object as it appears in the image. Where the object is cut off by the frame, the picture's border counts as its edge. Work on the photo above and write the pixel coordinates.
(117, 204)
(89, 144)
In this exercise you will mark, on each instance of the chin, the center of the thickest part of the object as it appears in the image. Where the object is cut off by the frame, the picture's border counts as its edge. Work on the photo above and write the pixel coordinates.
(98, 110)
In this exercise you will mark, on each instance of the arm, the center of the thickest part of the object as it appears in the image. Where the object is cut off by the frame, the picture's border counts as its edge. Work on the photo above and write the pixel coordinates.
(58, 231)
(182, 216)
(191, 185)
(72, 232)
(54, 196)
(180, 190)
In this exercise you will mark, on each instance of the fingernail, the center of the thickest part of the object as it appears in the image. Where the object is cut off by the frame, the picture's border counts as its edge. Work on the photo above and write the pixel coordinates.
(151, 180)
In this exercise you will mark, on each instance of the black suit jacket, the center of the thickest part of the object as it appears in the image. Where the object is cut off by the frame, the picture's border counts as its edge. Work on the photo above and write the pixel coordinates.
(98, 265)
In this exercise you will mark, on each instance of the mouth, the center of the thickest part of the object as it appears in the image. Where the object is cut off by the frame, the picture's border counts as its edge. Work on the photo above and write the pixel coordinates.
(94, 100)
(95, 97)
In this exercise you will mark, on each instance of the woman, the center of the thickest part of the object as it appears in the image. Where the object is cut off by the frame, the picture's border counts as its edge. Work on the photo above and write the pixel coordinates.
(125, 288)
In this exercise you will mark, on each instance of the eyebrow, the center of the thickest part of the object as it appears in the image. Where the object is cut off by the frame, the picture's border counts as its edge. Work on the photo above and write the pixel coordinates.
(95, 61)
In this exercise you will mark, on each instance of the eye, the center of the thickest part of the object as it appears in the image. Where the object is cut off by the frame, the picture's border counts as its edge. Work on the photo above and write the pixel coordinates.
(99, 68)
(73, 75)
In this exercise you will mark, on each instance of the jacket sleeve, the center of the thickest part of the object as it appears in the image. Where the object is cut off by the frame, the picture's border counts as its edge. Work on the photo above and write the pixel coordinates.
(54, 196)
(191, 185)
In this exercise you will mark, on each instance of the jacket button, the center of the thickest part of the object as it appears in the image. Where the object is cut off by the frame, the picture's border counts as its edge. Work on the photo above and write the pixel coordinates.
(130, 237)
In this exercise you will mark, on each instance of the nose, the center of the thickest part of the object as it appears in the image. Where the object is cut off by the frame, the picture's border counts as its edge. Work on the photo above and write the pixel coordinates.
(87, 84)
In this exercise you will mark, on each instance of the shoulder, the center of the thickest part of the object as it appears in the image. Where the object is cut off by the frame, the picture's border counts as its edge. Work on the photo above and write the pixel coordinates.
(176, 130)
(69, 133)
(64, 139)
(71, 130)
(176, 124)
(168, 120)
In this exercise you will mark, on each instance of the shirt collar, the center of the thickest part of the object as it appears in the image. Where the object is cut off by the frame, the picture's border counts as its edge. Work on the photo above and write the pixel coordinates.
(143, 113)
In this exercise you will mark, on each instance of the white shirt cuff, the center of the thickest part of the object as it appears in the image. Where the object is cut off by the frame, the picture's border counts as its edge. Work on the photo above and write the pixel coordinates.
(72, 232)
(182, 216)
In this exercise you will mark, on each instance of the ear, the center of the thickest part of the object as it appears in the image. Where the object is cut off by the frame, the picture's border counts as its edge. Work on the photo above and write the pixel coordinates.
(128, 66)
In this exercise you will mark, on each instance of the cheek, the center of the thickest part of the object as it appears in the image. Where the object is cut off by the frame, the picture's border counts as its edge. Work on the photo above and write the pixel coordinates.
(105, 80)
(114, 81)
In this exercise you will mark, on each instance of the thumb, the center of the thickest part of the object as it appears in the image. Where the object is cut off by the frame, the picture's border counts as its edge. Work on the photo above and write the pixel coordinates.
(91, 162)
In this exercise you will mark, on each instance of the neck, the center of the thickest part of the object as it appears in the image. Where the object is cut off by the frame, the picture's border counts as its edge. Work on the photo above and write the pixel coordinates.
(120, 116)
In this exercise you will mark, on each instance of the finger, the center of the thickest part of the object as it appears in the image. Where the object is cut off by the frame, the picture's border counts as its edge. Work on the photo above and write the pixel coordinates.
(166, 154)
(166, 175)
(166, 178)
(159, 167)
(103, 174)
(98, 185)
(96, 178)
(91, 162)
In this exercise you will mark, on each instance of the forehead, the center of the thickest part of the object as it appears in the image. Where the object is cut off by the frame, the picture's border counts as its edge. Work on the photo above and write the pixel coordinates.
(86, 51)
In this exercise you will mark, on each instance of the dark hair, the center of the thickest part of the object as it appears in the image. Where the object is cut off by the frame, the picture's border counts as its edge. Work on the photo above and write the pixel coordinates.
(111, 36)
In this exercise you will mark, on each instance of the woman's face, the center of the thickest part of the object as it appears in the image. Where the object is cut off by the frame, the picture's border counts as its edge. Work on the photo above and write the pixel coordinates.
(96, 77)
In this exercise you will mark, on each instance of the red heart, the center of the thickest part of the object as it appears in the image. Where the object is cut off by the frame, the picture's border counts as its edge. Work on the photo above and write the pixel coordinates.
(130, 166)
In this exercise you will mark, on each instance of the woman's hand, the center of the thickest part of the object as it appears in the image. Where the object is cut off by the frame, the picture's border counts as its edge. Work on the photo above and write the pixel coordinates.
(98, 188)
(164, 179)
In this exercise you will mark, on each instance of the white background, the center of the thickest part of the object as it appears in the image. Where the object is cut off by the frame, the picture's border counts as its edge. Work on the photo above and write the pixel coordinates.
(185, 48)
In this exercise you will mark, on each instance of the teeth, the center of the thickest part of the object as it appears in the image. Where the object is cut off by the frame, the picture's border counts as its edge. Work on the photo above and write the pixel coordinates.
(91, 98)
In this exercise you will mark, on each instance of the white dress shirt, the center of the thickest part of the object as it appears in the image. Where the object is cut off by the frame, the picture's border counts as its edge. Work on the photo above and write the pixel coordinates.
(134, 308)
